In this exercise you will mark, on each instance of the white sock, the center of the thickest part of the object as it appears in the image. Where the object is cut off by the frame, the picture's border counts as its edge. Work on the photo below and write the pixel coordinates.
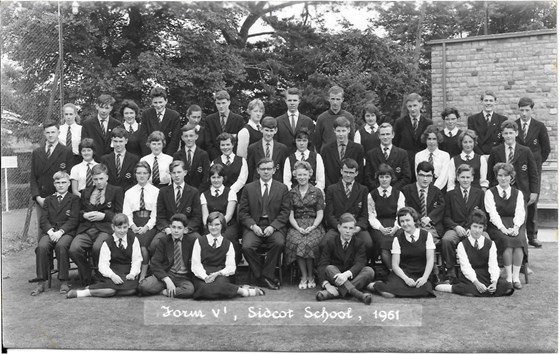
(516, 270)
(508, 273)
(83, 293)
(444, 288)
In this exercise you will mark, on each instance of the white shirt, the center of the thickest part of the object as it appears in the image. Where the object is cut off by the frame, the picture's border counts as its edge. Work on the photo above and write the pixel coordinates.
(78, 173)
(373, 221)
(429, 242)
(453, 132)
(319, 170)
(465, 264)
(232, 196)
(243, 173)
(269, 184)
(441, 165)
(76, 130)
(506, 148)
(131, 202)
(105, 257)
(369, 129)
(162, 114)
(451, 172)
(243, 138)
(164, 161)
(389, 148)
(133, 125)
(495, 218)
(196, 264)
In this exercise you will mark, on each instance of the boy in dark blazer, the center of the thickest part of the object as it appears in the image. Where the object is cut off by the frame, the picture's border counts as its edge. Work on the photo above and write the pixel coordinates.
(387, 153)
(264, 210)
(161, 119)
(59, 221)
(409, 129)
(430, 209)
(342, 267)
(459, 204)
(46, 160)
(223, 121)
(343, 148)
(486, 124)
(99, 128)
(195, 159)
(99, 204)
(534, 135)
(120, 163)
(267, 147)
(290, 122)
(171, 276)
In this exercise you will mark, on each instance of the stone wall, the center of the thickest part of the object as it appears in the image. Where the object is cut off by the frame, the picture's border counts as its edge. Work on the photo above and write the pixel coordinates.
(512, 65)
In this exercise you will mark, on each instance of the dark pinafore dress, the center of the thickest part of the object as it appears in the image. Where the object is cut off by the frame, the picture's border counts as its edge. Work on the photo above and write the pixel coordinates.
(386, 209)
(506, 209)
(121, 262)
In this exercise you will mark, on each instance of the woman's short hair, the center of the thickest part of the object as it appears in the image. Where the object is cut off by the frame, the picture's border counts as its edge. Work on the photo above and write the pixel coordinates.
(464, 168)
(470, 133)
(120, 219)
(478, 217)
(156, 136)
(86, 143)
(224, 137)
(302, 133)
(217, 215)
(408, 211)
(448, 111)
(303, 165)
(507, 167)
(385, 169)
(431, 129)
(143, 164)
(256, 103)
(132, 105)
(371, 108)
(219, 169)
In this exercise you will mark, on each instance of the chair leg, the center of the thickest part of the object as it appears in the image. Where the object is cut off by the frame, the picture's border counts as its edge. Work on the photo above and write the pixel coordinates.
(525, 266)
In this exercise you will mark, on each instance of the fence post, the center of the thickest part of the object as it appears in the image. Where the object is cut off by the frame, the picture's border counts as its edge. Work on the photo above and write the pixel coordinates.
(28, 220)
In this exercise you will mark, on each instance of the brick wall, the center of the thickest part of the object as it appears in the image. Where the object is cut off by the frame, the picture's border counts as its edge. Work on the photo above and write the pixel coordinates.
(512, 65)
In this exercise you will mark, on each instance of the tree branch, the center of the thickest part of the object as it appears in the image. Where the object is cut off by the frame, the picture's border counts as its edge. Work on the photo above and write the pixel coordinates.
(260, 34)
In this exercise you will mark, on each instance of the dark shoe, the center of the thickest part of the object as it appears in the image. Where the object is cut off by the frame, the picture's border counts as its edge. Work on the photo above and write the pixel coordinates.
(269, 284)
(535, 243)
(276, 281)
(35, 280)
(510, 285)
(366, 299)
(324, 295)
(517, 285)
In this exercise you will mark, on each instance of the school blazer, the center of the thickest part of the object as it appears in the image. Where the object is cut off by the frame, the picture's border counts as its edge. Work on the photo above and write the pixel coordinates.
(337, 204)
(92, 129)
(278, 207)
(64, 216)
(435, 203)
(127, 178)
(113, 204)
(332, 161)
(255, 152)
(456, 211)
(43, 169)
(286, 136)
(198, 173)
(169, 126)
(398, 160)
(352, 259)
(234, 123)
(407, 139)
(488, 135)
(189, 206)
(526, 172)
(163, 258)
(537, 140)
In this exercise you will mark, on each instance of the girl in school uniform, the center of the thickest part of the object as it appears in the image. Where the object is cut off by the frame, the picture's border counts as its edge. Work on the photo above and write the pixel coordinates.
(213, 263)
(412, 260)
(368, 135)
(251, 132)
(451, 133)
(130, 112)
(478, 258)
(71, 131)
(80, 175)
(468, 141)
(119, 263)
(235, 167)
(432, 137)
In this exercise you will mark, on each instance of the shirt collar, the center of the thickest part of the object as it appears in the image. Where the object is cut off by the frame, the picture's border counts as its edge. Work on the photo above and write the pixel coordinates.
(210, 239)
(453, 132)
(193, 148)
(480, 241)
(484, 113)
(370, 128)
(507, 147)
(412, 119)
(133, 125)
(180, 238)
(420, 188)
(388, 147)
(463, 189)
(416, 234)
(269, 183)
(342, 240)
(528, 122)
(464, 155)
(116, 239)
(253, 124)
(182, 185)
(388, 189)
(61, 195)
(231, 157)
(305, 154)
(53, 145)
(270, 142)
(501, 190)
(296, 114)
(221, 189)
(345, 144)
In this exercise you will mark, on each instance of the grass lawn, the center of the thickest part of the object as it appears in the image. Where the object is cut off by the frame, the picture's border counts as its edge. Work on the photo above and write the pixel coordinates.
(525, 322)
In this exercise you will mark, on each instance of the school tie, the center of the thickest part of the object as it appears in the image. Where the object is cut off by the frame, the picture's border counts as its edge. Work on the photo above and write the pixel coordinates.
(155, 177)
(345, 246)
(178, 197)
(69, 138)
(510, 156)
(348, 189)
(159, 117)
(267, 152)
(467, 157)
(130, 130)
(476, 245)
(228, 162)
(223, 122)
(431, 158)
(342, 151)
(59, 199)
(142, 201)
(504, 195)
(524, 131)
(412, 240)
(89, 177)
(385, 193)
(450, 135)
(293, 121)
(465, 195)
(216, 193)
(414, 124)
(265, 200)
(258, 127)
(98, 197)
(119, 167)
(189, 158)
(103, 130)
(49, 150)
(423, 202)
(386, 153)
(177, 256)
(488, 118)
(215, 244)
(302, 157)
(121, 247)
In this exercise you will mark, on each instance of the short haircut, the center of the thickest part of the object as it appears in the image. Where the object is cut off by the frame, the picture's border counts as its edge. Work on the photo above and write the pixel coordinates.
(120, 219)
(99, 169)
(464, 168)
(386, 125)
(507, 167)
(61, 175)
(470, 133)
(119, 132)
(265, 160)
(349, 163)
(187, 127)
(86, 143)
(269, 122)
(292, 91)
(525, 101)
(302, 133)
(143, 164)
(219, 216)
(131, 105)
(429, 130)
(383, 170)
(478, 217)
(221, 95)
(336, 90)
(156, 136)
(51, 123)
(158, 91)
(256, 103)
(182, 218)
(176, 163)
(509, 124)
(371, 108)
(218, 169)
(407, 211)
(105, 100)
(448, 111)
(341, 122)
(413, 97)
(303, 165)
(224, 137)
(193, 108)
(488, 93)
(425, 166)
(346, 217)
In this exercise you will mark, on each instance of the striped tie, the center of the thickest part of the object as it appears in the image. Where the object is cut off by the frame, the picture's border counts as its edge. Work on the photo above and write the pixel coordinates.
(119, 167)
(103, 130)
(431, 159)
(415, 124)
(423, 202)
(510, 156)
(228, 162)
(177, 256)
(385, 193)
(223, 122)
(465, 195)
(348, 190)
(293, 123)
(386, 153)
(49, 150)
(98, 197)
(476, 245)
(178, 197)
(504, 195)
(215, 244)
(121, 247)
(525, 131)
(142, 202)
(155, 168)
(89, 177)
(345, 246)
(342, 151)
(267, 152)
(69, 138)
(412, 240)
(189, 158)
(130, 130)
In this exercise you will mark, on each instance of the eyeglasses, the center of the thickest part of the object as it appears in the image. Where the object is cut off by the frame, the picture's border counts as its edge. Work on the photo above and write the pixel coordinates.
(266, 168)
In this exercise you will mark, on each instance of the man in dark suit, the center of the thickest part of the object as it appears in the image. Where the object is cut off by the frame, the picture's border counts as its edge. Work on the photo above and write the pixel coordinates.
(342, 267)
(61, 212)
(223, 121)
(427, 200)
(459, 204)
(534, 135)
(160, 118)
(99, 204)
(196, 159)
(387, 153)
(486, 124)
(267, 147)
(120, 163)
(264, 210)
(46, 160)
(177, 198)
(409, 129)
(343, 148)
(171, 264)
(348, 196)
(289, 123)
(99, 128)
